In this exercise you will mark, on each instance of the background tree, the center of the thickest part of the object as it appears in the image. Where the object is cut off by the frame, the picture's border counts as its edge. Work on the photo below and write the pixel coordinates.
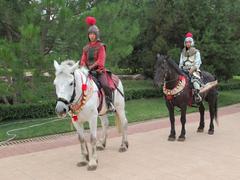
(215, 26)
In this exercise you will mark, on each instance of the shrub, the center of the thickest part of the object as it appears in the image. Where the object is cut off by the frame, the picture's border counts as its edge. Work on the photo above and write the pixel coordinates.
(47, 109)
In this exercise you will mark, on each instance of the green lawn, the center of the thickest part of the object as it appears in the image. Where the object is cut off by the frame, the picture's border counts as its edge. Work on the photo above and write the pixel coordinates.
(136, 110)
(139, 84)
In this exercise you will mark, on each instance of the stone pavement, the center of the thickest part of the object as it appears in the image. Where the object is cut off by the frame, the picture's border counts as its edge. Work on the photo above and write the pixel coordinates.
(150, 155)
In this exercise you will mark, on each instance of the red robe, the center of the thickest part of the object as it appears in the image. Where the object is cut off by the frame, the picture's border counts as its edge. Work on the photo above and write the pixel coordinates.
(99, 56)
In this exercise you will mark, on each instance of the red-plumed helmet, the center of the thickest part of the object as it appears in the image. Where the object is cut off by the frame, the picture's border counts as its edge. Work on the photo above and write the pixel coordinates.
(91, 22)
(189, 37)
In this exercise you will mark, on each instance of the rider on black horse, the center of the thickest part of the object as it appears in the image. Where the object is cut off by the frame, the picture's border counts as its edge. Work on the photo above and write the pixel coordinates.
(190, 61)
(94, 56)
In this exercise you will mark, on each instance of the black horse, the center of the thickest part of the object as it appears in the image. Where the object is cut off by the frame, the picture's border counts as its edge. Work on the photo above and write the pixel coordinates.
(178, 92)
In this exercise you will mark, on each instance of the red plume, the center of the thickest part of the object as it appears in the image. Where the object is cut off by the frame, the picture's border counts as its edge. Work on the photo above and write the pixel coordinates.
(90, 20)
(189, 35)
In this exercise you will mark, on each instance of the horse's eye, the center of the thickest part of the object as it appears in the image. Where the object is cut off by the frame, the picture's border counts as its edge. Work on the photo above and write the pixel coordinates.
(71, 84)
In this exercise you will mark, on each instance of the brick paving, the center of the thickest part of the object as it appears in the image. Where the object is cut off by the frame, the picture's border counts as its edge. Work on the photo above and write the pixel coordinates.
(150, 155)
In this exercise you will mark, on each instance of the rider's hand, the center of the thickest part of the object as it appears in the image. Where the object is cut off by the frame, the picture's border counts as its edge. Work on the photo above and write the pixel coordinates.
(192, 70)
(91, 67)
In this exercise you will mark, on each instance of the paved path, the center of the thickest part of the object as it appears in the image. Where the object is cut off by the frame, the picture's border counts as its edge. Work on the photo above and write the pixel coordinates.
(150, 156)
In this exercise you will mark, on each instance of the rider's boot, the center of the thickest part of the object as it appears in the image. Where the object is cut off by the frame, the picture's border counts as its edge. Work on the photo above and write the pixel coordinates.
(197, 96)
(110, 105)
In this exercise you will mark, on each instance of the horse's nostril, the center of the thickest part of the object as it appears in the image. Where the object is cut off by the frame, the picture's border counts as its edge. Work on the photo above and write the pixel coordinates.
(64, 110)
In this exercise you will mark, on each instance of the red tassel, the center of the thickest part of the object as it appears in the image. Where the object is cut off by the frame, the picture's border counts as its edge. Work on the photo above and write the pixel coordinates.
(181, 78)
(74, 118)
(84, 87)
(169, 97)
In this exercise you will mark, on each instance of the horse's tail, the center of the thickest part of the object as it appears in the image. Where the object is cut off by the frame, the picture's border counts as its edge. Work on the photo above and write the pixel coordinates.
(119, 99)
(118, 123)
(216, 111)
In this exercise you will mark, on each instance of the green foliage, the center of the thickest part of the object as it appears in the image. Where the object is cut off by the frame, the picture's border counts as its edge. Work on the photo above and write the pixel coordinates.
(22, 111)
(134, 91)
(34, 33)
(214, 24)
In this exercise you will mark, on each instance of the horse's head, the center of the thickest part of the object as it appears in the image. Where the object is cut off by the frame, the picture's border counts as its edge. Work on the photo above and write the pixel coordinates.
(161, 70)
(65, 85)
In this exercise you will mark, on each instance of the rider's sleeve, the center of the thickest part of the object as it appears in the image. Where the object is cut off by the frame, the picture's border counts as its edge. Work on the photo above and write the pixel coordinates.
(181, 62)
(83, 59)
(198, 61)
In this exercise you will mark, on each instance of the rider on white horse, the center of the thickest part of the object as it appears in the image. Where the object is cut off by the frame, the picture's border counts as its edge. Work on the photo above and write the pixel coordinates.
(78, 95)
(190, 61)
(94, 56)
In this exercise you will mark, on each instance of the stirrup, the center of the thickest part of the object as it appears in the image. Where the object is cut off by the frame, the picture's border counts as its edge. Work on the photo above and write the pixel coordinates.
(198, 98)
(111, 107)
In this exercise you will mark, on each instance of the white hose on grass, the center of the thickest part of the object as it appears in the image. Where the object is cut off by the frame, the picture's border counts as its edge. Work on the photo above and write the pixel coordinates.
(13, 135)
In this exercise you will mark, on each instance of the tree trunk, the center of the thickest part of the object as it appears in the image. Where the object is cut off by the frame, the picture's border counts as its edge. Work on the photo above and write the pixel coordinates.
(5, 100)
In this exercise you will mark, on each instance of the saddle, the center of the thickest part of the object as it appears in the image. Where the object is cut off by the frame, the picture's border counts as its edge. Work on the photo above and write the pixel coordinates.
(113, 81)
(205, 86)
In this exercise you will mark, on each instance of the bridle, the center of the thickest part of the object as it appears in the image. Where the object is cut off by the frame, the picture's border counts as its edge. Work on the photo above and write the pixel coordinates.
(66, 102)
(165, 75)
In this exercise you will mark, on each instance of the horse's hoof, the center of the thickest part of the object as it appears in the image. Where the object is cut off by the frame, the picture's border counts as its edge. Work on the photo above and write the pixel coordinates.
(81, 164)
(200, 130)
(181, 139)
(83, 160)
(210, 132)
(92, 165)
(126, 143)
(92, 168)
(100, 146)
(171, 138)
(122, 149)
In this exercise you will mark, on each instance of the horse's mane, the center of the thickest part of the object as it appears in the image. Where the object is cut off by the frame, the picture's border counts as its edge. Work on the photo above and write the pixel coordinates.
(174, 65)
(65, 66)
(68, 63)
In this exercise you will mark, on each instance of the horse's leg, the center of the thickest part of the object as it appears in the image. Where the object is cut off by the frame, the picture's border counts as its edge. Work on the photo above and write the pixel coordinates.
(84, 157)
(120, 114)
(172, 135)
(101, 144)
(121, 119)
(212, 115)
(92, 165)
(183, 122)
(201, 123)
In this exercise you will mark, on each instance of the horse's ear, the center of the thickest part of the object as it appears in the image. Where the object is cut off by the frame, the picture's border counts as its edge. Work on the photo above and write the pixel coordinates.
(158, 55)
(56, 65)
(75, 66)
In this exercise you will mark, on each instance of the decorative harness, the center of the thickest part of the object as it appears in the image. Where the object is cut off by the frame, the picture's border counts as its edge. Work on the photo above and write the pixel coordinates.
(78, 106)
(171, 93)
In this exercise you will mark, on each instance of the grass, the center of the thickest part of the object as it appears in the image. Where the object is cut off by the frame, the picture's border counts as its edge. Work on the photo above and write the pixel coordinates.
(139, 84)
(136, 111)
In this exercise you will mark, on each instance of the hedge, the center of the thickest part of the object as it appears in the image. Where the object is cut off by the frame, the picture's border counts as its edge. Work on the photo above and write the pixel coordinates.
(28, 111)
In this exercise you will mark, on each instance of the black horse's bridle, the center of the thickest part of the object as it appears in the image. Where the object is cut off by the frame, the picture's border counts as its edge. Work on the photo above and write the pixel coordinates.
(66, 102)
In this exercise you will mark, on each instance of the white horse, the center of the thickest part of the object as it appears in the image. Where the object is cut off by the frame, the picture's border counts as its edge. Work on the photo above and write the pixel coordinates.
(74, 88)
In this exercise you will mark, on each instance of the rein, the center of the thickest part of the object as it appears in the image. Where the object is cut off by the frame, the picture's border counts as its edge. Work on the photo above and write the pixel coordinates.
(78, 106)
(165, 82)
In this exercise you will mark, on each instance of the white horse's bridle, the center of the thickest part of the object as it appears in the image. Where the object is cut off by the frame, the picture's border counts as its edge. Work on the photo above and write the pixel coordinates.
(66, 102)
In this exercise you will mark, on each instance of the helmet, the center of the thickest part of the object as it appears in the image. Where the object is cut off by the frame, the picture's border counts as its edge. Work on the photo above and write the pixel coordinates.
(189, 37)
(91, 22)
